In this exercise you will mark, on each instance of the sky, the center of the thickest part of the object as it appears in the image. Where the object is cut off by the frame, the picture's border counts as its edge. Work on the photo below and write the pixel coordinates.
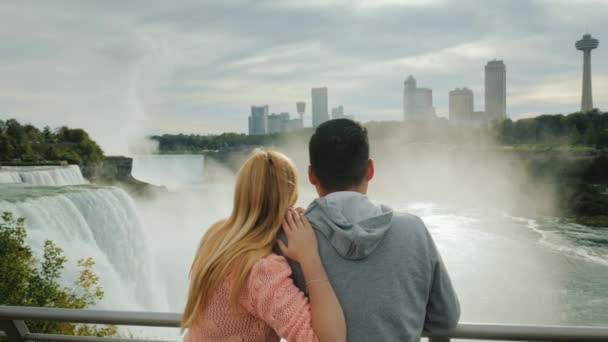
(126, 69)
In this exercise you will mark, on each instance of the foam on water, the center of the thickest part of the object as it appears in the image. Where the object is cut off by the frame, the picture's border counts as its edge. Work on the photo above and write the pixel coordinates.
(557, 239)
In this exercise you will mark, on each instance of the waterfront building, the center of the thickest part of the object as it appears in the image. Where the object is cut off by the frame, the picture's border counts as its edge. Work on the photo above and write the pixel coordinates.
(417, 102)
(461, 104)
(258, 121)
(495, 90)
(319, 106)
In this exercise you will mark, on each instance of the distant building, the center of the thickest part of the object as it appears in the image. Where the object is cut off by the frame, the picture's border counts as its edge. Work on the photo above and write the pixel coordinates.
(417, 102)
(586, 45)
(294, 125)
(319, 106)
(337, 113)
(258, 121)
(301, 109)
(461, 104)
(496, 90)
(281, 123)
(278, 123)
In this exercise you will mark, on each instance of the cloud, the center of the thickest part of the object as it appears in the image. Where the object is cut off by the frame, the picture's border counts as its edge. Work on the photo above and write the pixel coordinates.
(125, 69)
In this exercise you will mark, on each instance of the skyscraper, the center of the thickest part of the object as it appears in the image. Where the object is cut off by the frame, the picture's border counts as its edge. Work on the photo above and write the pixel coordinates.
(417, 102)
(258, 121)
(496, 90)
(319, 106)
(586, 45)
(461, 104)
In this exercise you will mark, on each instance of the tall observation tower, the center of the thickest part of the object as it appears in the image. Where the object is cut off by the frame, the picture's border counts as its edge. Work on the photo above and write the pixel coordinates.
(586, 45)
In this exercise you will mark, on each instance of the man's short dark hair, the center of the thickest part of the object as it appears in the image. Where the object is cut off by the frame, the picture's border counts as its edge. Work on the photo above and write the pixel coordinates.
(339, 151)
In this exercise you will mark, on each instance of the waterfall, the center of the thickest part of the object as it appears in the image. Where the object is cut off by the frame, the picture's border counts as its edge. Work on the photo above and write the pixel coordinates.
(90, 221)
(7, 177)
(42, 175)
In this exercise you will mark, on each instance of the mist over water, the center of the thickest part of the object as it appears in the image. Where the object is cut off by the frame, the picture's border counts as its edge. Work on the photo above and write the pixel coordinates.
(177, 220)
(509, 264)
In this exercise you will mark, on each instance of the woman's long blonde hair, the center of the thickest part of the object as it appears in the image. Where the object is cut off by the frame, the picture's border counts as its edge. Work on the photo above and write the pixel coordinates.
(266, 187)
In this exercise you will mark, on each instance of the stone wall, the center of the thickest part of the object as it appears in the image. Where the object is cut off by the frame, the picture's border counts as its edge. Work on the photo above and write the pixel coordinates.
(117, 167)
(112, 167)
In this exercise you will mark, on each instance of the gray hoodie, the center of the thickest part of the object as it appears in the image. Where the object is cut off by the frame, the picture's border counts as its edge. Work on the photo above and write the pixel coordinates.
(384, 267)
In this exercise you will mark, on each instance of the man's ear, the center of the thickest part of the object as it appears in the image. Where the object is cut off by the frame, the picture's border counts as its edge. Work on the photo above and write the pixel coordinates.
(312, 178)
(370, 170)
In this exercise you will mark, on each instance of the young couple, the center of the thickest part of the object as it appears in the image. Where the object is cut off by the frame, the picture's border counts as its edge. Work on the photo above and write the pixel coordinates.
(357, 271)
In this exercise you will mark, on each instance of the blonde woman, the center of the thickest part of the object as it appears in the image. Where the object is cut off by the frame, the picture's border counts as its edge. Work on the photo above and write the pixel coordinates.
(240, 290)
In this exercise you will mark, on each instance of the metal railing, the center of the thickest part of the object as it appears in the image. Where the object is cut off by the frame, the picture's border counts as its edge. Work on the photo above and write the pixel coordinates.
(14, 329)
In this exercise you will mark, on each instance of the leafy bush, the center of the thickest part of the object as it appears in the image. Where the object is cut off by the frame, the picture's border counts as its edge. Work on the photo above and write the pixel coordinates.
(26, 282)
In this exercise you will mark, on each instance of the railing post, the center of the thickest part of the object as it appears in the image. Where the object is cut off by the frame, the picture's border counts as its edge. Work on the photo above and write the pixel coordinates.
(15, 330)
(439, 339)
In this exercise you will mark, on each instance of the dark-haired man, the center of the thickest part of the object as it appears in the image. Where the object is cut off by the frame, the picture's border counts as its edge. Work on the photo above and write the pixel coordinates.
(383, 265)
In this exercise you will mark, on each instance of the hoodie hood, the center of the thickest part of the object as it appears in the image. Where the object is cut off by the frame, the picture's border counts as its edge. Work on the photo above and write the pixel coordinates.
(351, 222)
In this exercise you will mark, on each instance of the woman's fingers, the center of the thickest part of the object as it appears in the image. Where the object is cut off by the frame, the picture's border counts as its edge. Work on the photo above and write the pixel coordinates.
(297, 218)
(290, 220)
(286, 227)
(283, 248)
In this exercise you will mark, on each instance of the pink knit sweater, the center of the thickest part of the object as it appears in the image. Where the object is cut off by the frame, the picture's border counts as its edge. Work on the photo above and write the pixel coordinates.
(272, 306)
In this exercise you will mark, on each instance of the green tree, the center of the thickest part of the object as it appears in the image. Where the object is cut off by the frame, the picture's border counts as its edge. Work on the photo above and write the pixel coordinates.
(26, 282)
(28, 143)
(573, 129)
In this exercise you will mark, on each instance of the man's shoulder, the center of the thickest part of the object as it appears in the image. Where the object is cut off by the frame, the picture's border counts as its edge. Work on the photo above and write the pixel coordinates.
(409, 222)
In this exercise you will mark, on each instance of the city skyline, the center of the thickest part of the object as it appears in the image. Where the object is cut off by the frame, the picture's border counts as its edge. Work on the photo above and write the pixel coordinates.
(195, 67)
(417, 103)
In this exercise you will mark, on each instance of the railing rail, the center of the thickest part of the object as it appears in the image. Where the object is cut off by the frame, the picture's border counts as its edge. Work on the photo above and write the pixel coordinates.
(14, 329)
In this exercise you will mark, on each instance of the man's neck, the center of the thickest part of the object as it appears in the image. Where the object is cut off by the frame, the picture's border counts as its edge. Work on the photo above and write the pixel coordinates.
(362, 189)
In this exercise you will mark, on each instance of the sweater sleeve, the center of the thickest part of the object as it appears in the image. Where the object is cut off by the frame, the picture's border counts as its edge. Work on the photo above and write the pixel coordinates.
(275, 299)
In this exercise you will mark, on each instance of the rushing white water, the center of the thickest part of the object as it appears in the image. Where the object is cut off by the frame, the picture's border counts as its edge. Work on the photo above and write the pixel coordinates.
(42, 175)
(91, 221)
(9, 177)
